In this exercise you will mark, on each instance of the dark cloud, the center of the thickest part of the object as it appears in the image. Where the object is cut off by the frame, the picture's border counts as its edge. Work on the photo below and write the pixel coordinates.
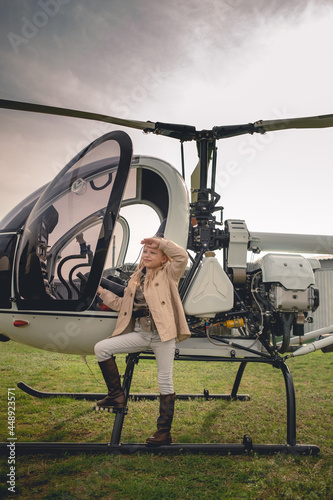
(200, 62)
(65, 47)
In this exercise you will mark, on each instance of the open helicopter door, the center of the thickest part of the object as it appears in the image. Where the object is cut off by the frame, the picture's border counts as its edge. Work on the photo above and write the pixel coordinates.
(71, 226)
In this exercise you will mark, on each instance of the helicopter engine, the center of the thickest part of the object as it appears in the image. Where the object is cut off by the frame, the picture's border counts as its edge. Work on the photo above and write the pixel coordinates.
(272, 298)
(283, 294)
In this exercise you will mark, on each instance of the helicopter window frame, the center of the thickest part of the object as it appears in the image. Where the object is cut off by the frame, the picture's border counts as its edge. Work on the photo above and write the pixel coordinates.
(145, 177)
(125, 241)
(40, 300)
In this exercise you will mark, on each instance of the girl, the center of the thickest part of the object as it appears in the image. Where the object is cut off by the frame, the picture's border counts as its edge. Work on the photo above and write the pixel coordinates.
(151, 316)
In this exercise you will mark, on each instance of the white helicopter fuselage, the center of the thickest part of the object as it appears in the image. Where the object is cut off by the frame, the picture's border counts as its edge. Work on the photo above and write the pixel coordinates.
(76, 332)
(92, 212)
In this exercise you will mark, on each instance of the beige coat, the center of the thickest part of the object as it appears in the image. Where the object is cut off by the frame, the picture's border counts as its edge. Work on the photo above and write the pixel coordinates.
(162, 298)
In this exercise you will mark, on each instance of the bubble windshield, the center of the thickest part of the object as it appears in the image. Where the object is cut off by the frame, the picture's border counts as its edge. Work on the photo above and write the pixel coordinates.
(70, 227)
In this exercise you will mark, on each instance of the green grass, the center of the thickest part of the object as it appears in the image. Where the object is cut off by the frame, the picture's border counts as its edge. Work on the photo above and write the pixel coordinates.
(141, 476)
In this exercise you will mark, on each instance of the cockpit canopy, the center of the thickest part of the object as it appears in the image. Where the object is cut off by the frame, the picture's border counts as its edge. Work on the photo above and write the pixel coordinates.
(90, 220)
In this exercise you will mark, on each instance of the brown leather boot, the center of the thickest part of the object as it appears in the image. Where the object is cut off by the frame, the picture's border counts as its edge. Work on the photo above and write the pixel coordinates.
(116, 397)
(164, 421)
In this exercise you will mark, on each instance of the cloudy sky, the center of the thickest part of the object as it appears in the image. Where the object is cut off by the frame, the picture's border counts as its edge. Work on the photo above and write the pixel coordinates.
(199, 62)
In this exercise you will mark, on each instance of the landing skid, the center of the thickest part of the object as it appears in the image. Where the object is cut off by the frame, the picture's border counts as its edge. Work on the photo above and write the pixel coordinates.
(90, 396)
(116, 447)
(176, 448)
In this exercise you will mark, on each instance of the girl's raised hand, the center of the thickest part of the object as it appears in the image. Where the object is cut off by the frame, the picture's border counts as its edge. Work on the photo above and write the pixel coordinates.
(152, 242)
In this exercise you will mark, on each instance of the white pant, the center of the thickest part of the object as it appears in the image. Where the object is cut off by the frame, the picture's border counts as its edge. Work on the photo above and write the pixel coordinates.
(140, 340)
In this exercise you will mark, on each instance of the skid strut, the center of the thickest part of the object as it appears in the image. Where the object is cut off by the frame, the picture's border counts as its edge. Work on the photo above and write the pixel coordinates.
(116, 447)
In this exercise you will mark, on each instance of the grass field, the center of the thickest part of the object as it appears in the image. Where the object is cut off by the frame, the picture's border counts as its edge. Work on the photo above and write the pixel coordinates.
(182, 476)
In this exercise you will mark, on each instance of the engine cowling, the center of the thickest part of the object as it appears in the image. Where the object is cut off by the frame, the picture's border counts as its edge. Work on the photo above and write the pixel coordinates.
(284, 293)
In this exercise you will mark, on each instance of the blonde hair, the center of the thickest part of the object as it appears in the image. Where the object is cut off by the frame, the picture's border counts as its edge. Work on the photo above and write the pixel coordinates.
(150, 273)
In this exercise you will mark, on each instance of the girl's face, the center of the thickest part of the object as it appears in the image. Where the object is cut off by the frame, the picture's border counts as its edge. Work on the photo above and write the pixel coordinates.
(153, 257)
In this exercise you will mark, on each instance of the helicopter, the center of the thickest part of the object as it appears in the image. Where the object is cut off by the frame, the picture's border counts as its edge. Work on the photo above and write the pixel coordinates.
(68, 237)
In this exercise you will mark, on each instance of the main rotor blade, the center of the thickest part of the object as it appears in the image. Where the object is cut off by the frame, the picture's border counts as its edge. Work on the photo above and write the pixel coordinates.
(176, 131)
(321, 121)
(262, 126)
(52, 110)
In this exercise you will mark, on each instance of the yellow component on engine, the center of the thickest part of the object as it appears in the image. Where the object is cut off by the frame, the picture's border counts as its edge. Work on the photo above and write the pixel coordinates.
(234, 323)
